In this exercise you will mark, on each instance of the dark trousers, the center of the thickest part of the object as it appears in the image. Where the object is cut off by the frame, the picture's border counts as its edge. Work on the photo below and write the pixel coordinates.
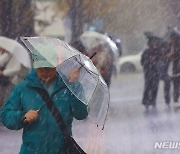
(150, 90)
(176, 80)
(167, 85)
(176, 92)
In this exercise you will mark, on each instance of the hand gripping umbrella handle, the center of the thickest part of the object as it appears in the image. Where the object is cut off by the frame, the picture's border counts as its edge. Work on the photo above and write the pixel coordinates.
(24, 119)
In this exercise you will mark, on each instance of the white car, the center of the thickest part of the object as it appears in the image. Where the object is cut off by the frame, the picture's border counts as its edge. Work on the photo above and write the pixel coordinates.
(130, 63)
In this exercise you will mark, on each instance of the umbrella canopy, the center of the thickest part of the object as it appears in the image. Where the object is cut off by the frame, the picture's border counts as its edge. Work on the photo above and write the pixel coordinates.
(89, 88)
(17, 50)
(91, 39)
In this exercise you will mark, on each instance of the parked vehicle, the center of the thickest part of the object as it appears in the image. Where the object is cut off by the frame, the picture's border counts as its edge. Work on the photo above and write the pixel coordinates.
(130, 63)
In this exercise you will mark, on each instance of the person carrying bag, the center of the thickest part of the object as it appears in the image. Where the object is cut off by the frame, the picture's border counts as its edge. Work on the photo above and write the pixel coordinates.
(71, 145)
(41, 132)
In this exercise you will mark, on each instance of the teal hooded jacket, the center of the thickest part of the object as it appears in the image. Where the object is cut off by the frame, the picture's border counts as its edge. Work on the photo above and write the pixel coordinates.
(43, 136)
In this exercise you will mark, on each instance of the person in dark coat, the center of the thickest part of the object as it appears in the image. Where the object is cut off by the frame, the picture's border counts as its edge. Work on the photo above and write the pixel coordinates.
(175, 46)
(148, 61)
(163, 61)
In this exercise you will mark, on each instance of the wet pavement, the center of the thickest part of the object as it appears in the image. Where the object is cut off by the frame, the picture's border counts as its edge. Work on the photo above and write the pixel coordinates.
(10, 141)
(128, 130)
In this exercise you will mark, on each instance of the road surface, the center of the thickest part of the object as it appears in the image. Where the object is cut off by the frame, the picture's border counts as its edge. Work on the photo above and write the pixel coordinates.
(128, 130)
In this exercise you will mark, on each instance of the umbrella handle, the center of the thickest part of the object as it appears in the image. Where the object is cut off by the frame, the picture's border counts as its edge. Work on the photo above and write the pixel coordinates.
(90, 58)
(38, 111)
(93, 55)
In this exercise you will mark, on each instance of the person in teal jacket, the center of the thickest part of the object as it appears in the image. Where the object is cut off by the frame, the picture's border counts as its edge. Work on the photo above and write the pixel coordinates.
(41, 134)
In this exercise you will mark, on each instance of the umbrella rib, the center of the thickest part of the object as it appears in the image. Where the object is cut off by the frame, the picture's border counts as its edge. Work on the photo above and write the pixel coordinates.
(80, 63)
(89, 71)
(93, 93)
(107, 107)
(106, 113)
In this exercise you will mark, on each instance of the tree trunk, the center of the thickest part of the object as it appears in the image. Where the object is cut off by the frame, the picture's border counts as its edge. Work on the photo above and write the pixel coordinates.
(76, 19)
(7, 25)
(25, 19)
(16, 19)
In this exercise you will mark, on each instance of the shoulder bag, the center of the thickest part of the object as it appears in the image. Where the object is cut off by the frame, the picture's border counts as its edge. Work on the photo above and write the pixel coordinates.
(70, 144)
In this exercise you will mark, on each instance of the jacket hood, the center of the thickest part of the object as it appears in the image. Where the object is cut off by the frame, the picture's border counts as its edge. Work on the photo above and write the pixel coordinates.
(33, 79)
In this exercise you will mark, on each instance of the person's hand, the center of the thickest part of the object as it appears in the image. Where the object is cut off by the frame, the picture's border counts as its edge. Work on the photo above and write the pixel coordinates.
(74, 75)
(31, 116)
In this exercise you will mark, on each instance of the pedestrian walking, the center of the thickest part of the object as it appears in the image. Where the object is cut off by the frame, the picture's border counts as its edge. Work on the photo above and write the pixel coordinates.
(163, 62)
(175, 47)
(26, 109)
(148, 61)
